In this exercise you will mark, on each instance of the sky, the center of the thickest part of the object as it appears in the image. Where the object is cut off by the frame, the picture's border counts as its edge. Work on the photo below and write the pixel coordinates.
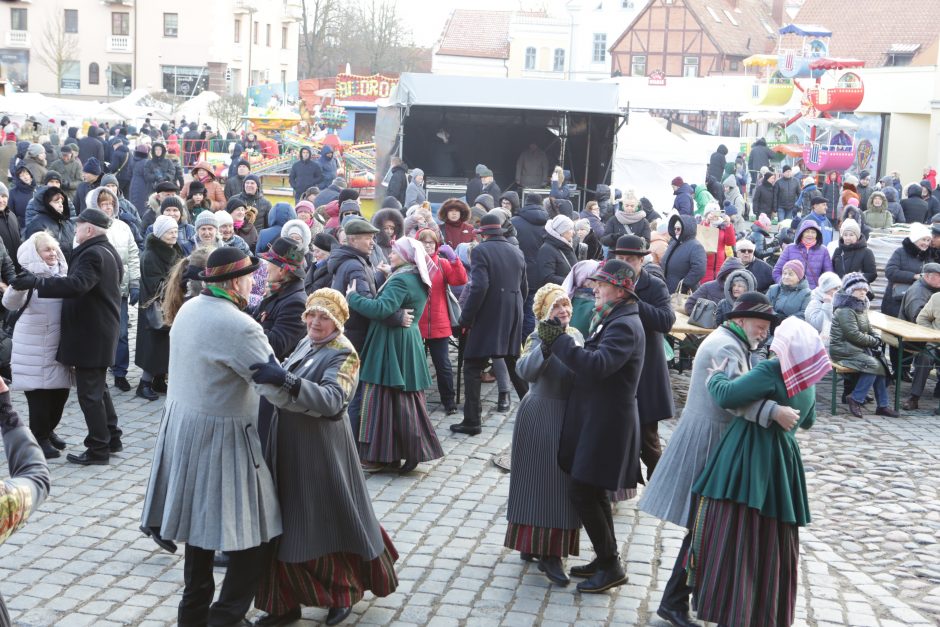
(427, 17)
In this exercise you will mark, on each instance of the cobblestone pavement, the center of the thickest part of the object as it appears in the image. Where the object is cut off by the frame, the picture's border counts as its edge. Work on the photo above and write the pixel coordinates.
(871, 556)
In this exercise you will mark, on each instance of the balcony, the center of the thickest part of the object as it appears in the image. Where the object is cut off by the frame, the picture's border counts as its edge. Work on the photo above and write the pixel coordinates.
(18, 39)
(293, 11)
(120, 43)
(245, 6)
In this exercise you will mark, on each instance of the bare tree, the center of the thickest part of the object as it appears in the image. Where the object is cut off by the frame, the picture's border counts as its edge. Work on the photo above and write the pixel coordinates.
(227, 111)
(58, 50)
(320, 21)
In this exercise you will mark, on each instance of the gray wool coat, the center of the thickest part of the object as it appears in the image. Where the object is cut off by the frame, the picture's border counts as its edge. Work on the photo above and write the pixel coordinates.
(209, 484)
(701, 426)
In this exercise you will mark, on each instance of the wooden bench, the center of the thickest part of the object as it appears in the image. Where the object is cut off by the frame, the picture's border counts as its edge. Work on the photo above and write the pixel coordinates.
(837, 369)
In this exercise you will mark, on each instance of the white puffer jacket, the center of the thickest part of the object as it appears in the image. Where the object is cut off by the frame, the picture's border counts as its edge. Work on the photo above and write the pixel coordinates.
(36, 335)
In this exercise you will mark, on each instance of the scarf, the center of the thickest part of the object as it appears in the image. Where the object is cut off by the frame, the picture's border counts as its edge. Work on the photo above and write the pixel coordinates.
(803, 357)
(412, 251)
(580, 273)
(329, 338)
(627, 219)
(238, 224)
(600, 313)
(232, 296)
(735, 328)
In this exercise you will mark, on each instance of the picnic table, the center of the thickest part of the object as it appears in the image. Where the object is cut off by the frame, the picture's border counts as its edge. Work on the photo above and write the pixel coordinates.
(896, 332)
(681, 327)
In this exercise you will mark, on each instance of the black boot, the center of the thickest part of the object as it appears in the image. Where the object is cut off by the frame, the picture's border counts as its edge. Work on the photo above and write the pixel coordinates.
(604, 579)
(48, 450)
(158, 385)
(336, 615)
(288, 617)
(152, 532)
(145, 391)
(56, 441)
(585, 570)
(553, 569)
(503, 404)
(122, 384)
(675, 617)
(467, 429)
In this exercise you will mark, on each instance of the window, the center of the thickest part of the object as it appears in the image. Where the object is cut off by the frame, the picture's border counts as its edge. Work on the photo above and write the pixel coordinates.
(729, 16)
(238, 31)
(267, 35)
(255, 34)
(171, 23)
(559, 62)
(690, 66)
(71, 20)
(71, 80)
(733, 65)
(638, 65)
(185, 81)
(530, 58)
(121, 24)
(600, 48)
(284, 37)
(93, 73)
(119, 78)
(18, 19)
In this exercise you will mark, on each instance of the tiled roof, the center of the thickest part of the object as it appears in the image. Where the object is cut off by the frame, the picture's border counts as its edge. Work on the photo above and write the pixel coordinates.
(742, 31)
(477, 34)
(867, 29)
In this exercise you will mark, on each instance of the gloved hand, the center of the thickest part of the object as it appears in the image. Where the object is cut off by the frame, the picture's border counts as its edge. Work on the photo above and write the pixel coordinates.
(550, 330)
(448, 253)
(270, 372)
(134, 296)
(24, 281)
(9, 419)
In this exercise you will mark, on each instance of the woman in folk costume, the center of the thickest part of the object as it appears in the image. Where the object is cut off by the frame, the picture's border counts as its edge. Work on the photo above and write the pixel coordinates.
(543, 523)
(395, 424)
(333, 549)
(745, 548)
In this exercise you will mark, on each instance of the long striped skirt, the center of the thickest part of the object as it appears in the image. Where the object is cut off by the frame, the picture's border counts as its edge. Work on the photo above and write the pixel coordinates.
(334, 580)
(743, 566)
(542, 541)
(395, 426)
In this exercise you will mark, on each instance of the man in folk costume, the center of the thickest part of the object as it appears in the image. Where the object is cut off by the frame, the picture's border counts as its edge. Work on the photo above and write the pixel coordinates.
(701, 425)
(600, 439)
(209, 485)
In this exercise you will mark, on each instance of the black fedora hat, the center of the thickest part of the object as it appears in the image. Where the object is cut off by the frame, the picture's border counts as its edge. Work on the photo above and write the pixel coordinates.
(227, 263)
(753, 305)
(631, 245)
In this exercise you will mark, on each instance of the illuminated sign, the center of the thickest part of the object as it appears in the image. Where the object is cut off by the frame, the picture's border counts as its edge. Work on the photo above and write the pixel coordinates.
(364, 88)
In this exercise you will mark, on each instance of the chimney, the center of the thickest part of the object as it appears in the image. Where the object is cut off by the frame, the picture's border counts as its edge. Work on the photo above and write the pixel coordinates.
(776, 12)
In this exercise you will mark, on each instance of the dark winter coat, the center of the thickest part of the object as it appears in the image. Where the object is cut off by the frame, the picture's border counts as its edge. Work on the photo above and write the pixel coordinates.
(58, 224)
(683, 203)
(763, 201)
(10, 234)
(139, 192)
(234, 185)
(717, 162)
(915, 299)
(305, 173)
(493, 306)
(789, 301)
(20, 195)
(714, 290)
(805, 200)
(832, 192)
(474, 189)
(685, 259)
(327, 195)
(763, 274)
(760, 156)
(153, 346)
(279, 314)
(530, 231)
(786, 191)
(602, 196)
(894, 207)
(89, 147)
(121, 164)
(81, 194)
(857, 257)
(257, 200)
(70, 172)
(157, 169)
(904, 263)
(600, 438)
(613, 230)
(654, 395)
(278, 217)
(554, 262)
(398, 183)
(346, 264)
(91, 306)
(851, 339)
(914, 207)
(327, 168)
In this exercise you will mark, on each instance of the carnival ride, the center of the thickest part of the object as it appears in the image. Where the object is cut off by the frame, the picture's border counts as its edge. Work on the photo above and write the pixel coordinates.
(828, 144)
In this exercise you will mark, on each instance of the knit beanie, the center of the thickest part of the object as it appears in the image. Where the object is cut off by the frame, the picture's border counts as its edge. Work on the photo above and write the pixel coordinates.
(109, 179)
(348, 193)
(222, 217)
(852, 201)
(918, 231)
(172, 201)
(853, 281)
(829, 281)
(678, 181)
(234, 203)
(163, 224)
(851, 226)
(92, 167)
(796, 266)
(35, 150)
(206, 218)
(764, 220)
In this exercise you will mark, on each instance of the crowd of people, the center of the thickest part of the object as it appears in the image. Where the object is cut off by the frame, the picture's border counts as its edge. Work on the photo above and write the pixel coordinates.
(329, 319)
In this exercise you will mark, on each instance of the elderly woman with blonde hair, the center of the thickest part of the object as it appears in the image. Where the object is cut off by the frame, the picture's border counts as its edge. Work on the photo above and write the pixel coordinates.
(333, 549)
(543, 523)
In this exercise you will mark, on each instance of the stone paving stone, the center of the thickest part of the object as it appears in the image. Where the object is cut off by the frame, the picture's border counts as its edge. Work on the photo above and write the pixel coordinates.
(868, 557)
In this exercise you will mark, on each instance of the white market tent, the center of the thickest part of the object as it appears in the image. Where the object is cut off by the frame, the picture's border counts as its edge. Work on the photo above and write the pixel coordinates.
(21, 105)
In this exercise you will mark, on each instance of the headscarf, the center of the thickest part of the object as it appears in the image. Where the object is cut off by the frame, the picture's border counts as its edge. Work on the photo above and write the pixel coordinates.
(412, 251)
(580, 272)
(803, 357)
(558, 225)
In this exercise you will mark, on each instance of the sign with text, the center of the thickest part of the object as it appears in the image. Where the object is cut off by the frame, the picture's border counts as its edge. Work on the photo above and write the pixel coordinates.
(364, 88)
(657, 77)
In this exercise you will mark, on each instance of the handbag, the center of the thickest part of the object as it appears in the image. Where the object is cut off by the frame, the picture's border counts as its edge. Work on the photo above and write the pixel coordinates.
(678, 298)
(898, 290)
(704, 314)
(154, 314)
(453, 308)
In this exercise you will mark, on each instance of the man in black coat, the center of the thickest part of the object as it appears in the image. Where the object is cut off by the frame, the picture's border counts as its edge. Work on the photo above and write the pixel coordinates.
(91, 147)
(121, 165)
(654, 395)
(331, 193)
(493, 316)
(600, 439)
(279, 313)
(717, 163)
(530, 231)
(91, 323)
(398, 181)
(304, 174)
(786, 191)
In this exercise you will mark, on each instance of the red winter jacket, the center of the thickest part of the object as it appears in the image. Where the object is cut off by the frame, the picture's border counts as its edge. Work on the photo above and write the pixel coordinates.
(456, 234)
(726, 237)
(435, 322)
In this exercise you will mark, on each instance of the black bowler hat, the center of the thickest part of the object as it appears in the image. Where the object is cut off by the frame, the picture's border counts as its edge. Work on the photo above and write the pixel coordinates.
(94, 216)
(227, 263)
(490, 224)
(631, 245)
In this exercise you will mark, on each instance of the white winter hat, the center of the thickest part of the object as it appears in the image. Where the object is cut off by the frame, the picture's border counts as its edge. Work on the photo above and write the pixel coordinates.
(918, 231)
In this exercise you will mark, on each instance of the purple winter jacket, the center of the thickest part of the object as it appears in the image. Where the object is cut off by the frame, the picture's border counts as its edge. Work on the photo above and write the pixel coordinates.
(815, 260)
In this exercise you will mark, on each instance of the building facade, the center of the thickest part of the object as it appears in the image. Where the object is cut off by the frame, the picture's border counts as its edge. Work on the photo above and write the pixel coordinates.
(594, 27)
(106, 48)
